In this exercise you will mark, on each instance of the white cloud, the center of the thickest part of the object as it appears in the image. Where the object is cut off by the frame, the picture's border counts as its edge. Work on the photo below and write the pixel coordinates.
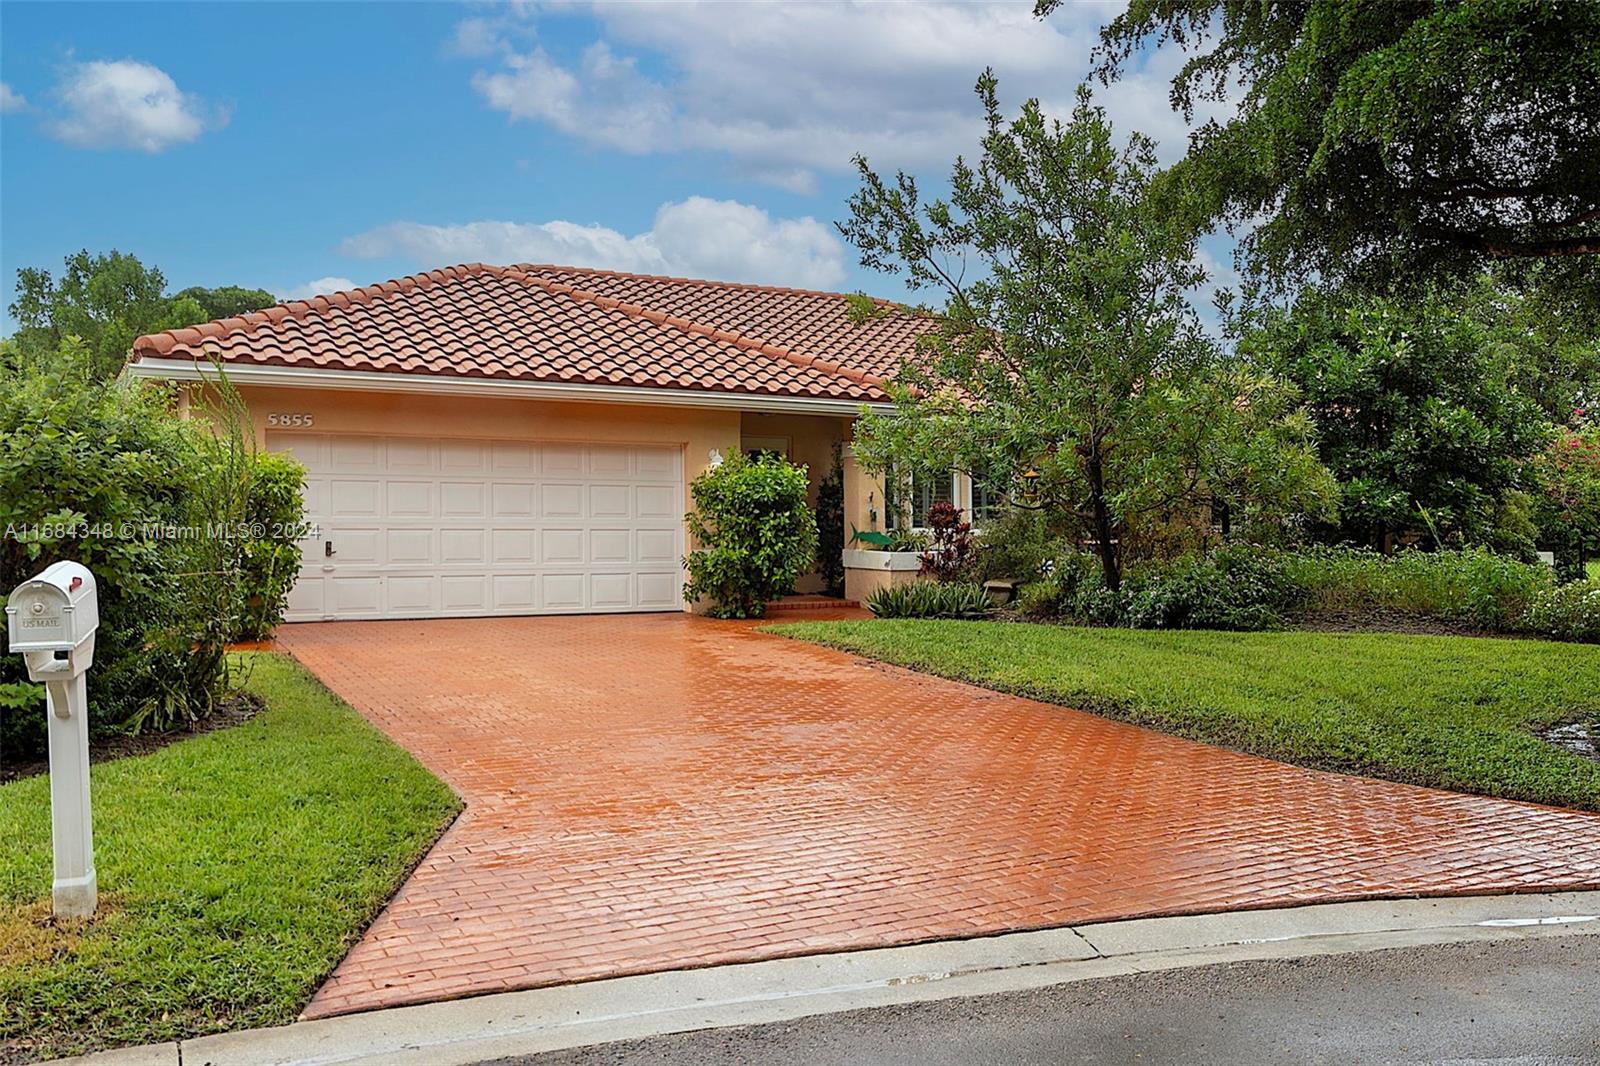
(787, 90)
(699, 237)
(128, 104)
(11, 100)
(320, 287)
(474, 37)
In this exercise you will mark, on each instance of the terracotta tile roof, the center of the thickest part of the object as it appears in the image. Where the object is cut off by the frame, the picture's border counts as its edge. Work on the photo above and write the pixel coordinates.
(563, 324)
(800, 320)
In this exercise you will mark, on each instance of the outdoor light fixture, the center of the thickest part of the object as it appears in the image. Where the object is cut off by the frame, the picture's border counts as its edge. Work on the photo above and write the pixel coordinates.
(1030, 482)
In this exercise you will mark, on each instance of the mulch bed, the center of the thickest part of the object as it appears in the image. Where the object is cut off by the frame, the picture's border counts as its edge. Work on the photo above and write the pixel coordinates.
(236, 710)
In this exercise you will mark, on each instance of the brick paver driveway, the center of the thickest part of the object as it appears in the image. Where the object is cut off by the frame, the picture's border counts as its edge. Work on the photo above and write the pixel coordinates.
(657, 791)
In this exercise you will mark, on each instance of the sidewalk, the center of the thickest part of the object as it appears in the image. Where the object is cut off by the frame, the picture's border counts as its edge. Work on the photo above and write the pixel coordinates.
(468, 1031)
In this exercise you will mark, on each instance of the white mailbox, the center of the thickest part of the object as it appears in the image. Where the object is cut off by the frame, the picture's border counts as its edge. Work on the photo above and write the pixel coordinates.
(51, 620)
(56, 611)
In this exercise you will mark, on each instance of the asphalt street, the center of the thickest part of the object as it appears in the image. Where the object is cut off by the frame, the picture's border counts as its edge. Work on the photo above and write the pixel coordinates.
(1533, 1002)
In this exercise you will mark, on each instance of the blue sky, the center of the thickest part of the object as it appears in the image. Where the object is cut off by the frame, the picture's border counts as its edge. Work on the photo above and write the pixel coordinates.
(296, 147)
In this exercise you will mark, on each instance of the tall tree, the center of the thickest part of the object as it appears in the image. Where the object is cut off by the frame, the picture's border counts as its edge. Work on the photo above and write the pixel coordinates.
(1420, 408)
(1397, 140)
(226, 301)
(108, 300)
(1065, 341)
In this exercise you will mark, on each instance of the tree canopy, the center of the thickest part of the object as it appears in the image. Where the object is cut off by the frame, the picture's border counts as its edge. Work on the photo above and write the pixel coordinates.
(1420, 411)
(1064, 339)
(1402, 140)
(107, 301)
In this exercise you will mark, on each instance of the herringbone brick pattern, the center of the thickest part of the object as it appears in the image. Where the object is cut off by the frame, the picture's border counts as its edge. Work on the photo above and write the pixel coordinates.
(658, 791)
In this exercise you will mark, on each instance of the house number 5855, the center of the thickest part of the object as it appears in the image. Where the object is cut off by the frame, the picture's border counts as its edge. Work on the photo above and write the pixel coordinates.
(298, 418)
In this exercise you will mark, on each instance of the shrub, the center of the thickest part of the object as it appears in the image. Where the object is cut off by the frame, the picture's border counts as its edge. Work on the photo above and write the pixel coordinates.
(951, 552)
(927, 599)
(1039, 599)
(1566, 612)
(830, 527)
(88, 469)
(1471, 587)
(270, 557)
(1014, 546)
(754, 531)
(1081, 591)
(1242, 588)
(107, 474)
(908, 540)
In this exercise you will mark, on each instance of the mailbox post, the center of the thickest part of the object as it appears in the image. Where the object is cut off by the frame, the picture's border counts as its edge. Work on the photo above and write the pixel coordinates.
(51, 619)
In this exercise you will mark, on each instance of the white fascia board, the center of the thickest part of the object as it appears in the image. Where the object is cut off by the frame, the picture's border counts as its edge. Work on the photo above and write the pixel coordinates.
(454, 385)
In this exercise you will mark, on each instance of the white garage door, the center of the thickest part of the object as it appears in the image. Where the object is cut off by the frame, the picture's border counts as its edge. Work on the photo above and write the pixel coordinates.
(419, 528)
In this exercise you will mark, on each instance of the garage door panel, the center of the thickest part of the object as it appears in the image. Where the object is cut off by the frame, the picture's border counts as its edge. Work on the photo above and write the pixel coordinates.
(514, 500)
(316, 496)
(515, 546)
(306, 598)
(463, 457)
(464, 592)
(463, 499)
(405, 456)
(659, 501)
(561, 459)
(409, 499)
(513, 457)
(609, 501)
(659, 590)
(354, 595)
(348, 497)
(353, 546)
(610, 546)
(562, 546)
(353, 454)
(610, 591)
(514, 592)
(425, 527)
(311, 449)
(657, 545)
(561, 592)
(610, 461)
(654, 463)
(458, 546)
(414, 547)
(561, 500)
(412, 595)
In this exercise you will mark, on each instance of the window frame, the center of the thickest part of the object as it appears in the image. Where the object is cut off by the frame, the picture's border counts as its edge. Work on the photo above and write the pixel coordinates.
(976, 516)
(897, 487)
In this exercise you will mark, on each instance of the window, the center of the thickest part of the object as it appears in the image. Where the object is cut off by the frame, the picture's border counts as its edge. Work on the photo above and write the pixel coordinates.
(756, 447)
(985, 503)
(911, 499)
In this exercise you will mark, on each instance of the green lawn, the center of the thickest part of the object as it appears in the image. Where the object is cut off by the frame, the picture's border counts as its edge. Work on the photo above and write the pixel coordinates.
(235, 870)
(1454, 712)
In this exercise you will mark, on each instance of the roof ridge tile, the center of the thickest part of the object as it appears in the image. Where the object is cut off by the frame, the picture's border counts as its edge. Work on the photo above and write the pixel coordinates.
(704, 283)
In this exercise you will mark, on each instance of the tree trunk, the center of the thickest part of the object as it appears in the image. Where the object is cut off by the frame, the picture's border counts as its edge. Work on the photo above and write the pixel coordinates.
(1100, 514)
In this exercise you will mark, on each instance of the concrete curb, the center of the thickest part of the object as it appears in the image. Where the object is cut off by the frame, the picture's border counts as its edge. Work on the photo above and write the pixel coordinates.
(465, 1031)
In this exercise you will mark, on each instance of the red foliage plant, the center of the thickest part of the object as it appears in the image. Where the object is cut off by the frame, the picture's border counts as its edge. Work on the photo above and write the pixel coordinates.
(952, 552)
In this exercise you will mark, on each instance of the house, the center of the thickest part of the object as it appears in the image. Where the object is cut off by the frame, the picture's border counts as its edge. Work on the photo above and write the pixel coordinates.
(487, 440)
